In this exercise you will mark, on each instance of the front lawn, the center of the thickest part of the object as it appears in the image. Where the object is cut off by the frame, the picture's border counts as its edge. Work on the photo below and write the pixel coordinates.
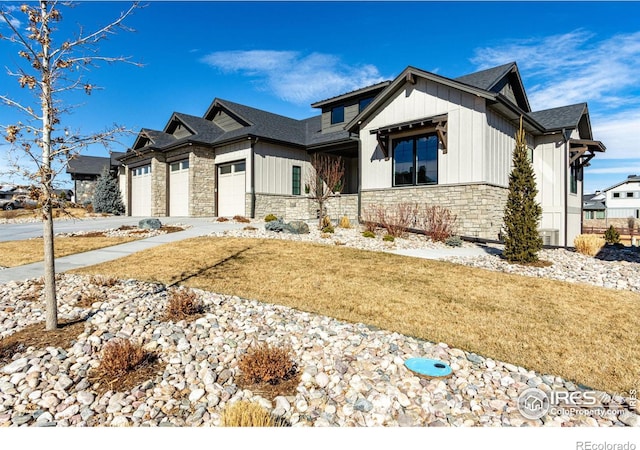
(580, 332)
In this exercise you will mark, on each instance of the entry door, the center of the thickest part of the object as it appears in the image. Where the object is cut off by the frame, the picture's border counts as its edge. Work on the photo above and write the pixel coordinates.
(231, 189)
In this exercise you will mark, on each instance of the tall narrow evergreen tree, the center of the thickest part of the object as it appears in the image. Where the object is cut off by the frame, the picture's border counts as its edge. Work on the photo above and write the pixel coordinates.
(522, 213)
(107, 198)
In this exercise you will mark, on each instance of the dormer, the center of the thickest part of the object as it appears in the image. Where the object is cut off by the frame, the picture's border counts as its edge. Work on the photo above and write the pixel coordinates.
(340, 110)
(224, 117)
(177, 128)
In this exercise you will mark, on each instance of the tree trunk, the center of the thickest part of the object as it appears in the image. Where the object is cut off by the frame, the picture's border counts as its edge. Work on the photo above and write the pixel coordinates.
(47, 216)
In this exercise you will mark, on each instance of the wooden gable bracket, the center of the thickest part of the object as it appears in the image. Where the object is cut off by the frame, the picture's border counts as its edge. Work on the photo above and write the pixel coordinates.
(382, 141)
(577, 152)
(410, 78)
(441, 130)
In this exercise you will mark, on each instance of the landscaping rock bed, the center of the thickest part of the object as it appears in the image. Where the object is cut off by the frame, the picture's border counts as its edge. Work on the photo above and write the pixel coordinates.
(126, 231)
(351, 375)
(614, 268)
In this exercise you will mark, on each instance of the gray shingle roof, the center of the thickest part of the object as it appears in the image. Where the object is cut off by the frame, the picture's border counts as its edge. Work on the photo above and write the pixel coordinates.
(159, 138)
(486, 79)
(562, 117)
(88, 165)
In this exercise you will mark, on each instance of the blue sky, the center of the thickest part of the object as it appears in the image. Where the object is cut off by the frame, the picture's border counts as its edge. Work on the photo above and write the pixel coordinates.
(283, 56)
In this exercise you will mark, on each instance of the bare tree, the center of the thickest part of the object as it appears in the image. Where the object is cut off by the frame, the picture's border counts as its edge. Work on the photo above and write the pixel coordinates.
(325, 178)
(50, 69)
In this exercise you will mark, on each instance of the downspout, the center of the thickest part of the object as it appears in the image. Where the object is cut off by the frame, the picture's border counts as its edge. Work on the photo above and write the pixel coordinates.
(253, 178)
(359, 212)
(566, 191)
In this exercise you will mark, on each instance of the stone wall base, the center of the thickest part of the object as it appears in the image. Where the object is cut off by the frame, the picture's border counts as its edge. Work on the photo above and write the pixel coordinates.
(479, 207)
(297, 207)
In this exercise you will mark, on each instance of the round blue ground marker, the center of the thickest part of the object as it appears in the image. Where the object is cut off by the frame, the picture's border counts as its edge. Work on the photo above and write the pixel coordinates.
(428, 367)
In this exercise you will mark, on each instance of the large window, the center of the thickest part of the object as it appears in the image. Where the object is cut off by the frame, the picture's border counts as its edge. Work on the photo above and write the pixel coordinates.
(296, 180)
(415, 160)
(337, 114)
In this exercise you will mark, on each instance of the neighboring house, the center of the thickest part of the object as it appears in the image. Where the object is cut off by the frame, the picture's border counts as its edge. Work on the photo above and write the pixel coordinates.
(85, 170)
(593, 206)
(623, 199)
(419, 138)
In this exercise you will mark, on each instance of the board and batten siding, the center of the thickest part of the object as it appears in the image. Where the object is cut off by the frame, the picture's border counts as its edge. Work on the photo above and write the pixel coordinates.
(226, 122)
(547, 156)
(274, 167)
(499, 145)
(350, 111)
(464, 161)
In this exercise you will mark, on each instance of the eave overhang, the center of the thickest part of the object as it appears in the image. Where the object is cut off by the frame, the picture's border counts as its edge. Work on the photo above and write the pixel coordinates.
(581, 151)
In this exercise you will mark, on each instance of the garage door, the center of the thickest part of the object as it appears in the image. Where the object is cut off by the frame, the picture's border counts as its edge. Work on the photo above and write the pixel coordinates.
(231, 189)
(141, 191)
(179, 188)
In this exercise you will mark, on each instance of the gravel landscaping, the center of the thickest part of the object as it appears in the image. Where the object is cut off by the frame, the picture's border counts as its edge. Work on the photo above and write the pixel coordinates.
(351, 374)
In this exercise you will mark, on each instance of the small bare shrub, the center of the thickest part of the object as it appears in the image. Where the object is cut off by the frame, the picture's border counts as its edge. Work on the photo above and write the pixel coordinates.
(182, 304)
(266, 364)
(246, 414)
(395, 218)
(344, 222)
(588, 244)
(222, 219)
(89, 208)
(104, 281)
(120, 356)
(89, 298)
(249, 228)
(241, 219)
(438, 222)
(326, 221)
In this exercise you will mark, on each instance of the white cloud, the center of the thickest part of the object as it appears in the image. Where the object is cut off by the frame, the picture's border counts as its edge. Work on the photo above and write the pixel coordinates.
(619, 133)
(294, 77)
(572, 67)
(12, 20)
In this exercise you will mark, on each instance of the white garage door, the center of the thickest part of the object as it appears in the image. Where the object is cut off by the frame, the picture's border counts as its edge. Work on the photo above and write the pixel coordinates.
(179, 188)
(231, 189)
(141, 191)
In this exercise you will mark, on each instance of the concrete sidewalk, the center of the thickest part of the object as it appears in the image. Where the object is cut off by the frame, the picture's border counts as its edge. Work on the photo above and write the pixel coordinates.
(35, 270)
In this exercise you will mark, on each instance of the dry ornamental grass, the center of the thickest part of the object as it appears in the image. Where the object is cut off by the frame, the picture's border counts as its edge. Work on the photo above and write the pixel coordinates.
(589, 244)
(246, 414)
(266, 364)
(182, 304)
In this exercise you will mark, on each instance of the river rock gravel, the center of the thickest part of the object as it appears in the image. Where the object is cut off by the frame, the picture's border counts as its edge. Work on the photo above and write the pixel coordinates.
(351, 375)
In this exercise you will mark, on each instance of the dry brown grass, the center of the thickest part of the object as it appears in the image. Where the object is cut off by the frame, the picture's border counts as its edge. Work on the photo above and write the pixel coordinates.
(30, 213)
(123, 365)
(266, 364)
(247, 414)
(589, 244)
(17, 253)
(580, 332)
(183, 304)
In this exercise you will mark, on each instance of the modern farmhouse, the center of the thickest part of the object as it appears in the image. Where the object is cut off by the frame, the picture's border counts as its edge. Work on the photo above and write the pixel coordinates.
(420, 138)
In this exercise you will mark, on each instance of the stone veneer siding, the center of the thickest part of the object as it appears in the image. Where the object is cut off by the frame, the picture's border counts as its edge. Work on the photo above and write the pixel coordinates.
(300, 207)
(158, 188)
(202, 183)
(478, 207)
(84, 191)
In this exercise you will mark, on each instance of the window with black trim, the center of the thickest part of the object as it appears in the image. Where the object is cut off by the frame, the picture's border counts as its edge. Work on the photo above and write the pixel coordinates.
(576, 174)
(363, 103)
(616, 195)
(337, 114)
(415, 160)
(296, 180)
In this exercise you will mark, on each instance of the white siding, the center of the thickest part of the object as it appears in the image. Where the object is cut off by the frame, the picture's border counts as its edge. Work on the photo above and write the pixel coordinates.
(623, 207)
(463, 161)
(274, 168)
(499, 145)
